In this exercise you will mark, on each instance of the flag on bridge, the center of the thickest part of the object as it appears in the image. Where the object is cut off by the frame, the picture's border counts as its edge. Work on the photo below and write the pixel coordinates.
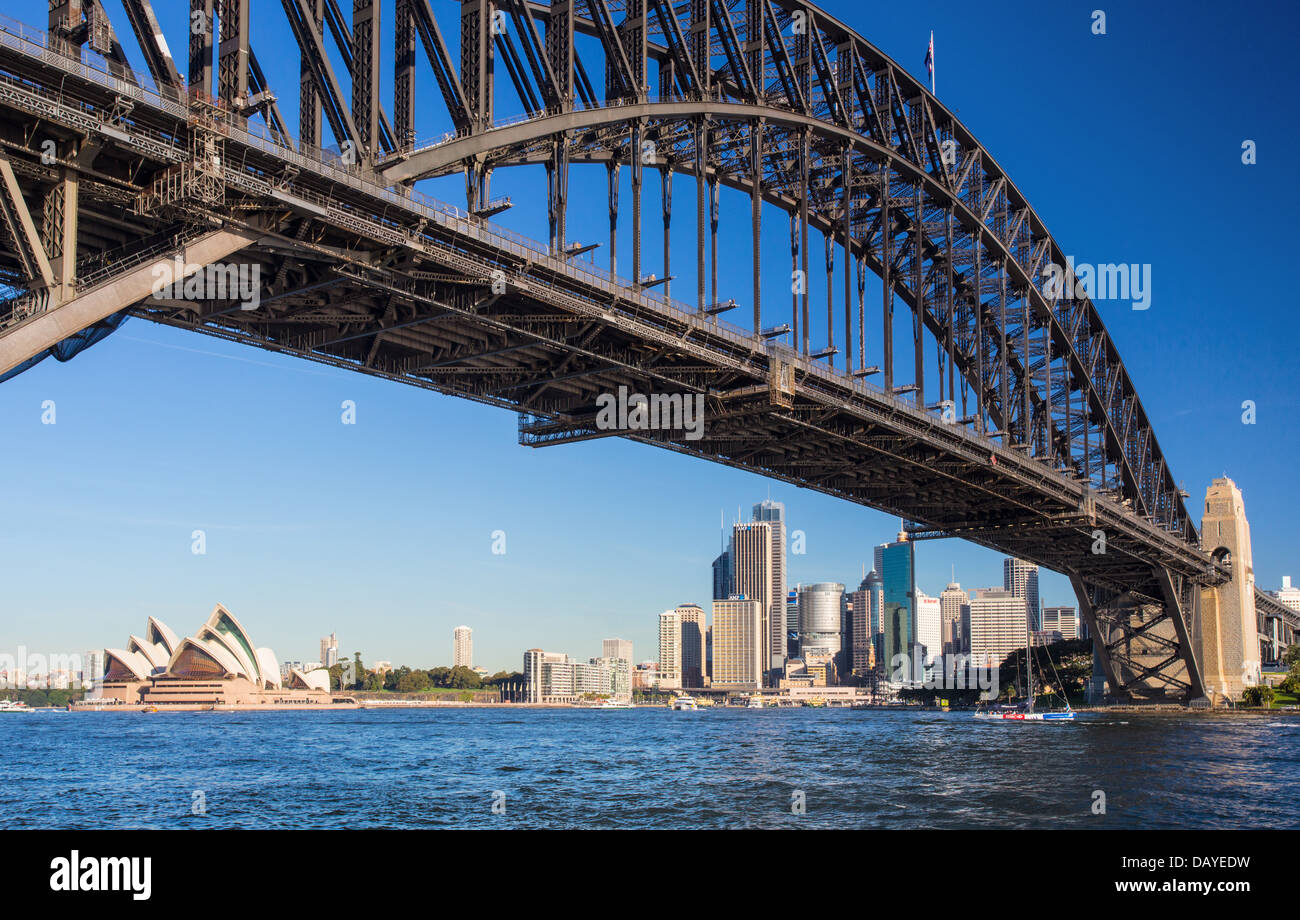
(929, 60)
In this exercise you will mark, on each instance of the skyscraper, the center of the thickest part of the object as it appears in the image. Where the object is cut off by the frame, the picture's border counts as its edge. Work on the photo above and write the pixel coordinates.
(751, 548)
(329, 651)
(616, 648)
(819, 619)
(951, 602)
(462, 651)
(997, 627)
(670, 649)
(929, 626)
(897, 610)
(722, 581)
(1063, 620)
(1021, 579)
(691, 619)
(739, 644)
(768, 511)
(1288, 596)
(860, 631)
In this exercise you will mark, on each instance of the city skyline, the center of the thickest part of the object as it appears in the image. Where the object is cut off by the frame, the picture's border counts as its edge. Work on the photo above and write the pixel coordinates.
(277, 554)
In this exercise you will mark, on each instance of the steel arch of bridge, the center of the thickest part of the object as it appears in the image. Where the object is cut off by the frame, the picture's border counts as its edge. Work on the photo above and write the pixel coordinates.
(773, 98)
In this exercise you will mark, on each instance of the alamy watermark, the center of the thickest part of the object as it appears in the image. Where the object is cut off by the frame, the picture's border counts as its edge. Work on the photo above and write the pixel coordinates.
(656, 412)
(181, 280)
(1105, 281)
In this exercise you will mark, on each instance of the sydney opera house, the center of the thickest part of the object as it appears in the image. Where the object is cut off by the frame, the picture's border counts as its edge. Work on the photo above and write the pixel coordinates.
(217, 666)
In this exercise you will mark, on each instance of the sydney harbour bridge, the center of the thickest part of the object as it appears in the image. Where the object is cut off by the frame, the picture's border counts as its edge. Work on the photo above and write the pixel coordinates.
(1006, 418)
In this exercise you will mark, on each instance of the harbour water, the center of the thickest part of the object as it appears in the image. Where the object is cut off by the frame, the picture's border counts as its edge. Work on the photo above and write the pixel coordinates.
(579, 768)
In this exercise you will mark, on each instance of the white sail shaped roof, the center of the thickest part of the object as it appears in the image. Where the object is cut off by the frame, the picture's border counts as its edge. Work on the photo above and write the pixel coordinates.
(120, 664)
(235, 637)
(156, 654)
(199, 658)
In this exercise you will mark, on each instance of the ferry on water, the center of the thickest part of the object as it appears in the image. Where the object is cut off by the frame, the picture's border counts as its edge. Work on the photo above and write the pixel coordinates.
(685, 704)
(12, 706)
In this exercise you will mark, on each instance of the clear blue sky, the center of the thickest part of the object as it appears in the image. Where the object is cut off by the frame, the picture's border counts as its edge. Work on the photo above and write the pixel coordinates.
(1127, 144)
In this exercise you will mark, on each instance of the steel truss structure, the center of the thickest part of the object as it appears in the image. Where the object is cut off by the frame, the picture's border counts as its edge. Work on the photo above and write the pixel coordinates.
(1023, 432)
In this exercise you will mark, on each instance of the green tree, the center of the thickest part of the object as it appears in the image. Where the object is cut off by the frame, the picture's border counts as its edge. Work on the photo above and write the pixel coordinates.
(1260, 695)
(462, 678)
(439, 676)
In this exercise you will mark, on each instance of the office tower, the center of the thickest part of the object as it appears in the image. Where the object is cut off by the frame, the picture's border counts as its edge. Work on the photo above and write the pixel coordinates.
(92, 671)
(708, 654)
(899, 585)
(819, 620)
(773, 513)
(1021, 579)
(616, 648)
(722, 580)
(792, 624)
(751, 561)
(929, 627)
(997, 627)
(462, 651)
(670, 649)
(691, 620)
(951, 602)
(1287, 595)
(876, 594)
(739, 644)
(860, 634)
(329, 651)
(1062, 620)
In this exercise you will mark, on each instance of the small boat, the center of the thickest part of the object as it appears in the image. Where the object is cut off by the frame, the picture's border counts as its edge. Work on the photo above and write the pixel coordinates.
(755, 702)
(614, 704)
(816, 702)
(14, 706)
(685, 704)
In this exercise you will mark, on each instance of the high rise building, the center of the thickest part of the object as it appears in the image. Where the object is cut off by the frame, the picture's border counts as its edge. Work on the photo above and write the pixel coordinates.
(462, 647)
(329, 651)
(670, 649)
(792, 624)
(898, 578)
(1021, 579)
(860, 632)
(752, 564)
(951, 602)
(739, 643)
(616, 648)
(929, 626)
(1062, 620)
(691, 618)
(722, 580)
(1288, 596)
(997, 627)
(819, 619)
(773, 513)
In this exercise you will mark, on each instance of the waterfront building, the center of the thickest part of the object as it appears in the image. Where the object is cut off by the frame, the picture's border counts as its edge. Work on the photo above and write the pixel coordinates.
(670, 649)
(329, 650)
(552, 677)
(1021, 579)
(997, 627)
(1062, 620)
(617, 648)
(773, 513)
(929, 626)
(952, 602)
(462, 651)
(898, 577)
(739, 643)
(218, 665)
(752, 564)
(819, 619)
(691, 619)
